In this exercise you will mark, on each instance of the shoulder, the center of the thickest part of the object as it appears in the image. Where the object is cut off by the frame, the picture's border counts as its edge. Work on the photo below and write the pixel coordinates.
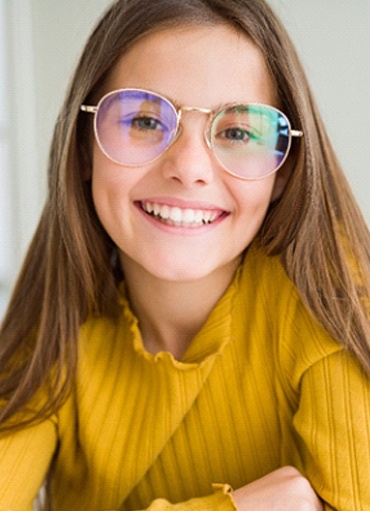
(296, 338)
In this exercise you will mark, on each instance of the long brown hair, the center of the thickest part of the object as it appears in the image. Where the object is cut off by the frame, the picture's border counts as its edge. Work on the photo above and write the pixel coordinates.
(315, 226)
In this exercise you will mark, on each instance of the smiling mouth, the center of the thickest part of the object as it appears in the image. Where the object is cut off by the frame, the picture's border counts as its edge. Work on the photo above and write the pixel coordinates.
(180, 217)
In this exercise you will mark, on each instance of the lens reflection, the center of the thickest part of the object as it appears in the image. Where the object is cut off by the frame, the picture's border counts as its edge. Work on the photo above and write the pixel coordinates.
(135, 127)
(250, 141)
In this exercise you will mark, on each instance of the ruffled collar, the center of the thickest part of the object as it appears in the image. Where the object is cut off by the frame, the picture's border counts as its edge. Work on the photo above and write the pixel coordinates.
(208, 343)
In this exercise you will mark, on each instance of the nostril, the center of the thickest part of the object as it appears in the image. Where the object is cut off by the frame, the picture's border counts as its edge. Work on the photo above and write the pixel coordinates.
(179, 178)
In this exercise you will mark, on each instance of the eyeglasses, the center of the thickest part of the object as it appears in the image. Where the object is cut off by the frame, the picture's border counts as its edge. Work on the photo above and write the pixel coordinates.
(134, 127)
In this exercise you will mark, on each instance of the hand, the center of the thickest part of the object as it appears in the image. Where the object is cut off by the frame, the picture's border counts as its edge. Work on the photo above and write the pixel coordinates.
(284, 489)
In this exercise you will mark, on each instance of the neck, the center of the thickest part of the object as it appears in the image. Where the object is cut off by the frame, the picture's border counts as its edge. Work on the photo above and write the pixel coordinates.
(171, 313)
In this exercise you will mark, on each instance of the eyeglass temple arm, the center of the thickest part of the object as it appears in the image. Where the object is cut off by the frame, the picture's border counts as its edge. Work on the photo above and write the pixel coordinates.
(89, 109)
(296, 133)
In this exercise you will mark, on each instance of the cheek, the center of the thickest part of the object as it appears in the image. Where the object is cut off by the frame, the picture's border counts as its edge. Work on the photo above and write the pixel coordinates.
(113, 190)
(108, 187)
(109, 180)
(254, 197)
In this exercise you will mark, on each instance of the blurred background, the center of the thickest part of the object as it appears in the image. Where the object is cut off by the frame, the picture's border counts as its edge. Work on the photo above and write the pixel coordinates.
(40, 41)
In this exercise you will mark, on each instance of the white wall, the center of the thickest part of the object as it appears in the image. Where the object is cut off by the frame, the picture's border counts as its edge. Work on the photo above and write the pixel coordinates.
(6, 238)
(39, 43)
(44, 40)
(333, 40)
(60, 28)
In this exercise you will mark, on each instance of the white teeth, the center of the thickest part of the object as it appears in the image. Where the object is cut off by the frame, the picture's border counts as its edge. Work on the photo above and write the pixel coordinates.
(149, 207)
(164, 212)
(176, 215)
(181, 217)
(188, 216)
(198, 217)
(207, 216)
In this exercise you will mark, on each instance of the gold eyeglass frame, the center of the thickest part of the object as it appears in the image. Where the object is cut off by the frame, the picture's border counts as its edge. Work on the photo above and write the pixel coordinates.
(93, 109)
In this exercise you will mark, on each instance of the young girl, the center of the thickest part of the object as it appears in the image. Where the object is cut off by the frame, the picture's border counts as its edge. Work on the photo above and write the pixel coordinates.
(190, 329)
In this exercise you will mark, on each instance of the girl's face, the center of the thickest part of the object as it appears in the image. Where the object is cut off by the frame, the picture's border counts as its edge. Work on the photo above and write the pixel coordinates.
(197, 66)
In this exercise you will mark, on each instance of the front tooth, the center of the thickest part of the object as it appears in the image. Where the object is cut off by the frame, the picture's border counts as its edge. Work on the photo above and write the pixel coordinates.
(188, 216)
(176, 215)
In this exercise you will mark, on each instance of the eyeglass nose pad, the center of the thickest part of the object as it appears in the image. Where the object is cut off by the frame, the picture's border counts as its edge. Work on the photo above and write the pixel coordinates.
(207, 137)
(177, 134)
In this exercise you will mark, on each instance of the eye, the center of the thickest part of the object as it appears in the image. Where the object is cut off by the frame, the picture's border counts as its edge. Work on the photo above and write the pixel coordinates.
(235, 134)
(146, 123)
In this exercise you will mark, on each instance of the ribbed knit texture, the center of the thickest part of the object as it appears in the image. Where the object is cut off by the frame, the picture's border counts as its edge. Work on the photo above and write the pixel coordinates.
(261, 386)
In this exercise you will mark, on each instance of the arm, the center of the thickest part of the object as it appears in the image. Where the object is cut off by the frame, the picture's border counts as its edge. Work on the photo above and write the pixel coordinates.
(284, 489)
(220, 500)
(25, 457)
(333, 426)
(24, 460)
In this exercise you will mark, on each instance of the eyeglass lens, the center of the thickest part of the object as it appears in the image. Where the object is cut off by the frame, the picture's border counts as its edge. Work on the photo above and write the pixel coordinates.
(134, 127)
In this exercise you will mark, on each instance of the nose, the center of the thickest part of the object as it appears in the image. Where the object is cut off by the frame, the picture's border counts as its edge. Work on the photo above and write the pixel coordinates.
(189, 160)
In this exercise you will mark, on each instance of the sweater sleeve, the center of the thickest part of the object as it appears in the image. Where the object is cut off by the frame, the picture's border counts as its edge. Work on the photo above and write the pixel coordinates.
(24, 461)
(333, 426)
(220, 500)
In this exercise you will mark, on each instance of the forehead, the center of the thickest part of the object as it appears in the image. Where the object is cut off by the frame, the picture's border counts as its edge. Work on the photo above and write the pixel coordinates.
(196, 65)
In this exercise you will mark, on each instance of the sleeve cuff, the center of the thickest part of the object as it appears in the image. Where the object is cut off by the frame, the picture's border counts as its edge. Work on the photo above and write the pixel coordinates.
(224, 494)
(220, 500)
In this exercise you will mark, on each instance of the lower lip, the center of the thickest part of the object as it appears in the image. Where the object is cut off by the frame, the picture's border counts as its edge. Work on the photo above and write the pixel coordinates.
(175, 229)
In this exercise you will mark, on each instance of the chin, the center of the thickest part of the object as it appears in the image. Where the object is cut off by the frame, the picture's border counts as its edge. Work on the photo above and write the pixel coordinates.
(180, 274)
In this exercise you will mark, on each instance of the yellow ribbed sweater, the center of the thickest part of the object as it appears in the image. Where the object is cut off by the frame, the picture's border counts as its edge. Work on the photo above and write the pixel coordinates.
(261, 386)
